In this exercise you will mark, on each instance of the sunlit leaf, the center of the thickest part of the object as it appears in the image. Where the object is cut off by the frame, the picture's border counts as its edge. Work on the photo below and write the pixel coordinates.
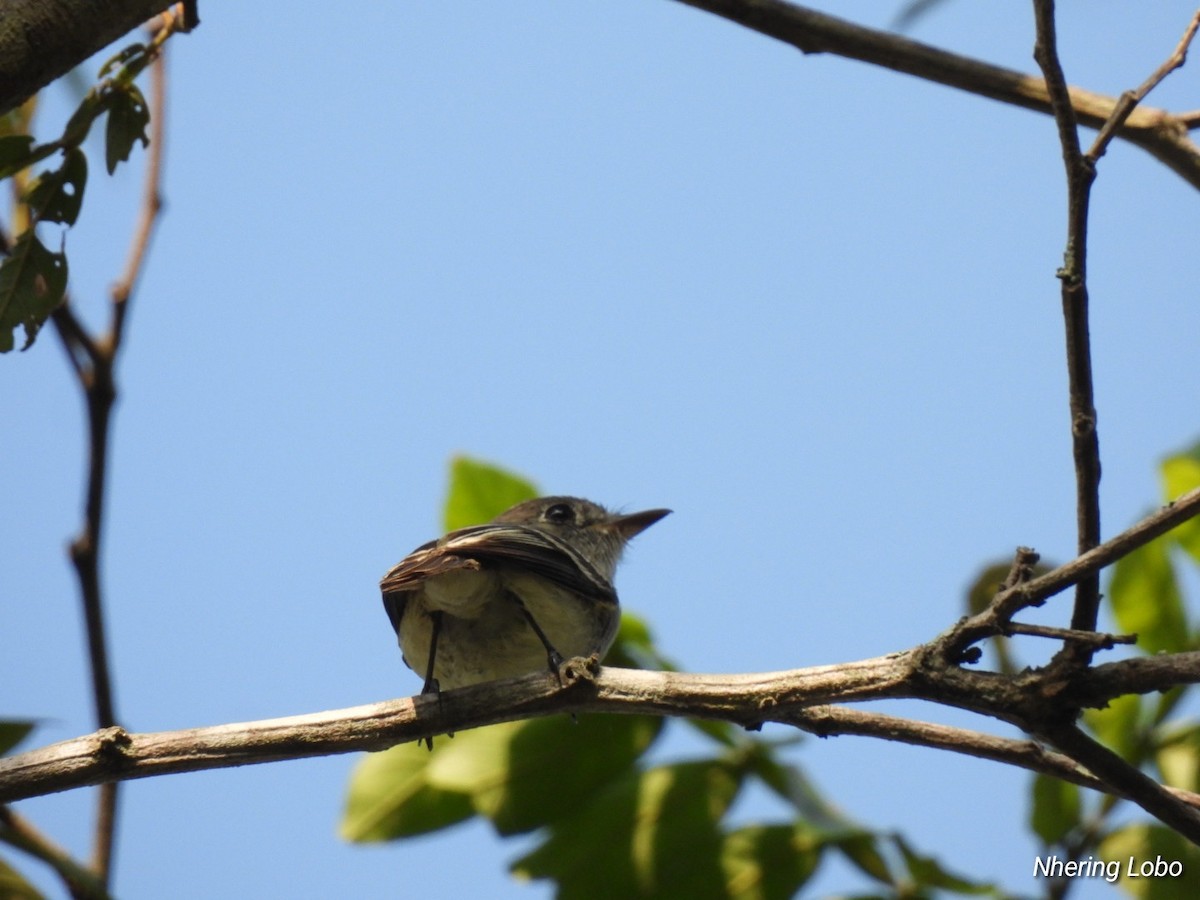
(769, 862)
(480, 491)
(1118, 726)
(1156, 863)
(1055, 809)
(651, 834)
(1146, 600)
(519, 779)
(1178, 757)
(390, 797)
(1180, 474)
(32, 282)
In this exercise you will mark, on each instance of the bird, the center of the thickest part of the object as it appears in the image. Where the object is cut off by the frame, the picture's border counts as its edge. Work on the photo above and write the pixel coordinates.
(528, 590)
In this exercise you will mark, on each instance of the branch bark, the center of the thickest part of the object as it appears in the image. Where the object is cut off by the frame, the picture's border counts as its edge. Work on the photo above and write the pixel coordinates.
(748, 700)
(40, 41)
(1160, 133)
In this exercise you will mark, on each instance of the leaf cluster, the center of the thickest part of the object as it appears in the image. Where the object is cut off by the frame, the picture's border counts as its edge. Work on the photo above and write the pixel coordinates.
(33, 278)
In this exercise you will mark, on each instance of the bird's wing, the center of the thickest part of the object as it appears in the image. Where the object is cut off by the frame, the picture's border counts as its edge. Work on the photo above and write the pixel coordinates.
(494, 545)
(534, 551)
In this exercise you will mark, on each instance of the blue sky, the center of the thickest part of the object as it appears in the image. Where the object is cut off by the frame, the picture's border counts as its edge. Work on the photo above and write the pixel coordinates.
(637, 254)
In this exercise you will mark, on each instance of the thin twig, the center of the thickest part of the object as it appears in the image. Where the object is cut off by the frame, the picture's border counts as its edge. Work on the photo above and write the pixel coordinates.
(94, 362)
(106, 813)
(19, 832)
(1019, 594)
(1162, 134)
(1129, 100)
(1073, 277)
(1098, 640)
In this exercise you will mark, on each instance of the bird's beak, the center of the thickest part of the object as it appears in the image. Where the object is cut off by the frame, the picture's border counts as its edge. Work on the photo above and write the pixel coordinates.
(635, 523)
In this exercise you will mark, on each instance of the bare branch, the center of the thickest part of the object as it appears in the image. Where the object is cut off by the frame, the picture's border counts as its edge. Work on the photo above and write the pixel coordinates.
(827, 721)
(1073, 277)
(1129, 100)
(94, 362)
(747, 700)
(19, 832)
(1160, 133)
(1128, 780)
(1017, 593)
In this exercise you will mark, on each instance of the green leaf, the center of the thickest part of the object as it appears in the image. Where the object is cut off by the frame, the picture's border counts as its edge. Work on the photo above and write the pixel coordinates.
(12, 732)
(1146, 599)
(32, 282)
(769, 862)
(1119, 726)
(1180, 474)
(1055, 810)
(1178, 757)
(479, 492)
(511, 773)
(80, 123)
(862, 850)
(128, 116)
(15, 150)
(125, 55)
(14, 887)
(57, 195)
(515, 774)
(390, 797)
(651, 834)
(1155, 847)
(927, 872)
(634, 647)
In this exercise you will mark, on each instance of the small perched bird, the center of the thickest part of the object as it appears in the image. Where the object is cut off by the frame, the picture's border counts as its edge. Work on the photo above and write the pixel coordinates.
(533, 587)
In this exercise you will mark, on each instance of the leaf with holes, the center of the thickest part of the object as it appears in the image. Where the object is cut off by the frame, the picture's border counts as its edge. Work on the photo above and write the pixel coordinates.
(128, 117)
(57, 195)
(32, 283)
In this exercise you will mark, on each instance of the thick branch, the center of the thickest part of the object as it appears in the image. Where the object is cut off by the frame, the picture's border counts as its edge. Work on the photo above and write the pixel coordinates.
(40, 41)
(1160, 133)
(747, 700)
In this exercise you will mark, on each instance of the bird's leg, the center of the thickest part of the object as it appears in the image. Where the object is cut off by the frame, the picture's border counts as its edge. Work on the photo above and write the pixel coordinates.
(553, 657)
(431, 683)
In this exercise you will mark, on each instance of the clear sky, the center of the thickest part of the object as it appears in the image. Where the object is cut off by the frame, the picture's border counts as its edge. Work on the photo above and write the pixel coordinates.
(637, 254)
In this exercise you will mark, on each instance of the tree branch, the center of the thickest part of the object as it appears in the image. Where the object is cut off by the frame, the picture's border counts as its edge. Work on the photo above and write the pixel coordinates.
(40, 41)
(1081, 172)
(829, 721)
(747, 700)
(94, 362)
(1160, 133)
(18, 832)
(1019, 592)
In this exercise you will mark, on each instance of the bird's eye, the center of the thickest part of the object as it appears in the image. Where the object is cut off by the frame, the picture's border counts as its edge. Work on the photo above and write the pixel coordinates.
(560, 514)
